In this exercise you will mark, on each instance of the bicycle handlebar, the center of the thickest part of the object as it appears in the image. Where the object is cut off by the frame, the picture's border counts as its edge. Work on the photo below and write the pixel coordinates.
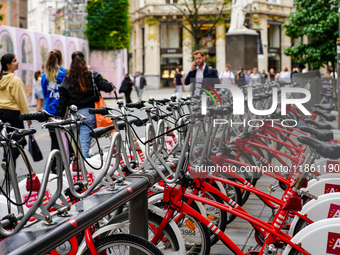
(102, 110)
(39, 116)
(138, 105)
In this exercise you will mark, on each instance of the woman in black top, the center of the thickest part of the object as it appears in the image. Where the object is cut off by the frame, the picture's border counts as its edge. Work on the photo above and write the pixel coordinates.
(77, 89)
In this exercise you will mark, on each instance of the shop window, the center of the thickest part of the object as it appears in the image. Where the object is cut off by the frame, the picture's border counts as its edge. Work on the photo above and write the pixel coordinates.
(169, 63)
(274, 61)
(274, 36)
(171, 36)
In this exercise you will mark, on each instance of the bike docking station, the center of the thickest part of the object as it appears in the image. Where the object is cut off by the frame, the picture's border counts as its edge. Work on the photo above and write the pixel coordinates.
(40, 237)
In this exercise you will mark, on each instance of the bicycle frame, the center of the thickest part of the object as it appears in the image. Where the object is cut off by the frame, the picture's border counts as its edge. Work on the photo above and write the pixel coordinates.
(186, 209)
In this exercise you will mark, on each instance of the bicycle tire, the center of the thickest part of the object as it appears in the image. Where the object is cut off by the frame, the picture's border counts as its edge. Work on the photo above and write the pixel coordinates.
(154, 219)
(128, 240)
(300, 224)
(221, 221)
(203, 230)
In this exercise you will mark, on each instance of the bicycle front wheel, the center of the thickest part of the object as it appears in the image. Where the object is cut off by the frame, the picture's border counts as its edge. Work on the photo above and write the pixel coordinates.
(122, 244)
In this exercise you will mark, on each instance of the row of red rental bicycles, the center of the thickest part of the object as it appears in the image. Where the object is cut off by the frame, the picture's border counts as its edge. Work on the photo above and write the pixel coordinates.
(209, 165)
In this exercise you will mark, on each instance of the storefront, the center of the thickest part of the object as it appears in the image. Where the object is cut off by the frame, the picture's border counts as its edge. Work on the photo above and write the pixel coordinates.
(171, 52)
(274, 45)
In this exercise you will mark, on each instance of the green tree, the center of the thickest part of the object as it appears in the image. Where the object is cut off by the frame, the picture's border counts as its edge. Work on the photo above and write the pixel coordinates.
(194, 19)
(319, 21)
(108, 24)
(2, 16)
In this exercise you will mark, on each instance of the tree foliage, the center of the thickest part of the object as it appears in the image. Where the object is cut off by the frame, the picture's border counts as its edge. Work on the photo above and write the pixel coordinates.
(319, 21)
(108, 24)
(192, 17)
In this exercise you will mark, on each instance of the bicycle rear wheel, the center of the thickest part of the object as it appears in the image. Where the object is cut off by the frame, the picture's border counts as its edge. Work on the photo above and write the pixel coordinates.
(122, 244)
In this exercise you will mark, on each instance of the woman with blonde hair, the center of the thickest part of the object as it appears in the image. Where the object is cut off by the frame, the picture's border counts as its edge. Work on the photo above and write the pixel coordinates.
(50, 82)
(77, 89)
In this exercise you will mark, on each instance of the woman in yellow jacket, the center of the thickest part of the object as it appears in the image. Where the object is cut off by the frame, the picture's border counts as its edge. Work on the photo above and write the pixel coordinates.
(12, 98)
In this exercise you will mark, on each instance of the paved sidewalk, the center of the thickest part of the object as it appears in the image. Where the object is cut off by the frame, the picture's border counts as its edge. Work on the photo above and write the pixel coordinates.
(240, 231)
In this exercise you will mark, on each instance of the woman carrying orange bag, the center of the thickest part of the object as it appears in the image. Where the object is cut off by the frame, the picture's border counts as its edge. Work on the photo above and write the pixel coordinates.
(77, 89)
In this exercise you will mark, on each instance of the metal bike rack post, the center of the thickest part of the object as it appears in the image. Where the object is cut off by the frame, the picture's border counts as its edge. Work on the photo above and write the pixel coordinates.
(138, 212)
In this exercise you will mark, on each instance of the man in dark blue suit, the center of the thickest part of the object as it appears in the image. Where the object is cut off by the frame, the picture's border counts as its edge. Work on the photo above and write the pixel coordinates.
(203, 74)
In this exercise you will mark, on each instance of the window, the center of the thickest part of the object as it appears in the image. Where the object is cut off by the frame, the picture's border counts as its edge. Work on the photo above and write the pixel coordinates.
(171, 36)
(274, 1)
(141, 3)
(171, 1)
(274, 36)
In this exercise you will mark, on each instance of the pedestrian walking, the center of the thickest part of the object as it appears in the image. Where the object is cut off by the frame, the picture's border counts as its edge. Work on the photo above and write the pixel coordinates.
(202, 73)
(38, 94)
(284, 75)
(255, 77)
(12, 100)
(179, 83)
(272, 74)
(140, 85)
(77, 89)
(226, 76)
(50, 82)
(240, 77)
(298, 69)
(126, 88)
(247, 76)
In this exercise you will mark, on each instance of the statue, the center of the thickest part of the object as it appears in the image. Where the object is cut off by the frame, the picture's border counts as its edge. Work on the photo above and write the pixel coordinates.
(238, 15)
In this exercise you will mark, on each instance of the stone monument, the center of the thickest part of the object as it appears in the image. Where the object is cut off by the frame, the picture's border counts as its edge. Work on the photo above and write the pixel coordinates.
(241, 42)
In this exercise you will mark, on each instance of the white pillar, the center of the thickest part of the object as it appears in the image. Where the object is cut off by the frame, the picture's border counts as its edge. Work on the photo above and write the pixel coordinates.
(220, 47)
(187, 50)
(152, 56)
(139, 48)
(263, 58)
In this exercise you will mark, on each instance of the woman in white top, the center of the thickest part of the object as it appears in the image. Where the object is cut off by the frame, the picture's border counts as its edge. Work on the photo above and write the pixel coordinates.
(38, 89)
(227, 77)
(284, 75)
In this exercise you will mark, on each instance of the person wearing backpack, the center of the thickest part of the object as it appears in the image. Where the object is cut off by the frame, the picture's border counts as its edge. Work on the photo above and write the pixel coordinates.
(202, 73)
(227, 77)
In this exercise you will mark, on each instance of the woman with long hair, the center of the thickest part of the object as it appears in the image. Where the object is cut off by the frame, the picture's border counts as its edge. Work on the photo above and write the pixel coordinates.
(77, 89)
(12, 98)
(50, 82)
(38, 90)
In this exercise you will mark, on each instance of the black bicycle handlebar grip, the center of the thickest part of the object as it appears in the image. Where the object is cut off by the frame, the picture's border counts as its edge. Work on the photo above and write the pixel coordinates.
(173, 98)
(163, 101)
(218, 111)
(138, 105)
(102, 111)
(17, 136)
(39, 116)
(200, 115)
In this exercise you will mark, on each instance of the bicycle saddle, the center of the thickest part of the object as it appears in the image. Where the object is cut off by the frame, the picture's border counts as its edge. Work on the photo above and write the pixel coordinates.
(326, 150)
(322, 135)
(327, 108)
(327, 116)
(319, 125)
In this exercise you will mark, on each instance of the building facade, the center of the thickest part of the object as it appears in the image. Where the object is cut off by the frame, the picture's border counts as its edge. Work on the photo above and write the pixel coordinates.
(17, 10)
(159, 44)
(42, 15)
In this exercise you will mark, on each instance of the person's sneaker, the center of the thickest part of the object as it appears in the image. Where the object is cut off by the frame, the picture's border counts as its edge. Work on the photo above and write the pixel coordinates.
(4, 167)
